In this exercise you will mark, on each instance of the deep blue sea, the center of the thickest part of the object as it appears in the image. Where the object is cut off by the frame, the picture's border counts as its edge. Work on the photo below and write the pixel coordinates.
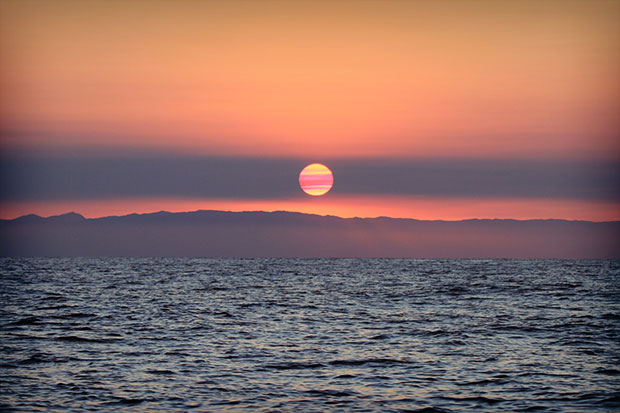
(309, 335)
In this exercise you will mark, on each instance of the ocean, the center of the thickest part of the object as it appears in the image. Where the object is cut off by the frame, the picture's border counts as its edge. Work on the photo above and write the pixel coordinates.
(393, 335)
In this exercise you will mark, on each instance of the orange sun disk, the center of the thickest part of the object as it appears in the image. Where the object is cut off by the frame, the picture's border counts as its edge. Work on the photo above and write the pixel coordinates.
(316, 179)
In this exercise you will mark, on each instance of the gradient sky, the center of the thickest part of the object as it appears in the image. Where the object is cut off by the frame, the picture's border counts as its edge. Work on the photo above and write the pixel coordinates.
(422, 109)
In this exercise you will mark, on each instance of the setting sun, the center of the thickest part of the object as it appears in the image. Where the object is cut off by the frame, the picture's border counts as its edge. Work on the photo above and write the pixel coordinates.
(316, 179)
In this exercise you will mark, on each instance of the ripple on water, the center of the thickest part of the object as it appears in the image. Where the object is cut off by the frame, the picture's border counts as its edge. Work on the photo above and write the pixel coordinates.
(311, 335)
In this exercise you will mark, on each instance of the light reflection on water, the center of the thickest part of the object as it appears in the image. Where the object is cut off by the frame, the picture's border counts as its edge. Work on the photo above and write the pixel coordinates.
(316, 335)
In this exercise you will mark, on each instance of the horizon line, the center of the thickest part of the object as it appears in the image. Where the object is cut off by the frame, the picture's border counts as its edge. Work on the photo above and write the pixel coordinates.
(302, 213)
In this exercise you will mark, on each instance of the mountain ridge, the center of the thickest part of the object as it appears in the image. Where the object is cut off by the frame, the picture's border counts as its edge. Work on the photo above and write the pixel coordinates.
(76, 215)
(211, 233)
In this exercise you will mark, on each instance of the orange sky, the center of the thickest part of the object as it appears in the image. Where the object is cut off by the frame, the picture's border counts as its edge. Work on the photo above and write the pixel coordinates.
(316, 79)
(462, 78)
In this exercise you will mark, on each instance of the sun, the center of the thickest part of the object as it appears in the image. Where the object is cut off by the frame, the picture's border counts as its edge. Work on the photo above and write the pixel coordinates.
(316, 179)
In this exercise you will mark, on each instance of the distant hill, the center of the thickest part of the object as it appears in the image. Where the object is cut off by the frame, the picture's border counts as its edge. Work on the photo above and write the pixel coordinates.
(288, 234)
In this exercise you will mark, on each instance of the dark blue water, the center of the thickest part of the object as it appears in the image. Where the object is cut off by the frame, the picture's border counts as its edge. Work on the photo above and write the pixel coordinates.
(310, 335)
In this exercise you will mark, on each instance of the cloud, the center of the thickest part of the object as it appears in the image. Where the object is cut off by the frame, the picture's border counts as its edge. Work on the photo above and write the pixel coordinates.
(37, 177)
(508, 178)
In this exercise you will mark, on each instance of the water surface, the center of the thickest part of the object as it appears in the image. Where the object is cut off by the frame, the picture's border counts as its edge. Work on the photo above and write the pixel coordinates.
(311, 335)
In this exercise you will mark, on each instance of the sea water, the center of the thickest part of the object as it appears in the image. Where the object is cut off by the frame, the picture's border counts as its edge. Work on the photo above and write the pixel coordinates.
(309, 335)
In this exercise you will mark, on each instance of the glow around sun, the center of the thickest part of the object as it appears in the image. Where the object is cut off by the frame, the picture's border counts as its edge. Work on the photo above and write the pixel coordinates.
(316, 179)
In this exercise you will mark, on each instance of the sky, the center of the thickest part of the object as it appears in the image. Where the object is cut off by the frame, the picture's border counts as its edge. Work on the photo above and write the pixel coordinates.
(422, 109)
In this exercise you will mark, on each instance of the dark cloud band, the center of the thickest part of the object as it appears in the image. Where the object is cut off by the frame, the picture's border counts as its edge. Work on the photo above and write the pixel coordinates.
(41, 178)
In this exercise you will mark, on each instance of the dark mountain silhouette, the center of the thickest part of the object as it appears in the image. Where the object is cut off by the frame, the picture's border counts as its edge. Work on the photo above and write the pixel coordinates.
(288, 234)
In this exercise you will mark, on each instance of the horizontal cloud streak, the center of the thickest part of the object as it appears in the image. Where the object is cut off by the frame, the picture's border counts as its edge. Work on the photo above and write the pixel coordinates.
(485, 178)
(40, 178)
